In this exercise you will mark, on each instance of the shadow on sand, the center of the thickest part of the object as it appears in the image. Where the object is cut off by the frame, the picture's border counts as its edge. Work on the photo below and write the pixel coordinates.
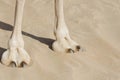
(2, 50)
(43, 40)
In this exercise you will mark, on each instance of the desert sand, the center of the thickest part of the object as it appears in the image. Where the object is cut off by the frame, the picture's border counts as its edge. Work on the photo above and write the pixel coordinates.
(94, 24)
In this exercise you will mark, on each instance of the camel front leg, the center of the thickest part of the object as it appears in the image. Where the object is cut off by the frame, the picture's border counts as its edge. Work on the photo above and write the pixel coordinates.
(63, 42)
(16, 55)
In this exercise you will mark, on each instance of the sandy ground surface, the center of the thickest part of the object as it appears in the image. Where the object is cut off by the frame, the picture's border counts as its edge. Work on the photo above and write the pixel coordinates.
(94, 24)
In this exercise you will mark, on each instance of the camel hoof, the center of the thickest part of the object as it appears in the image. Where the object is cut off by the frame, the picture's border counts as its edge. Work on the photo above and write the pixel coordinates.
(70, 50)
(17, 57)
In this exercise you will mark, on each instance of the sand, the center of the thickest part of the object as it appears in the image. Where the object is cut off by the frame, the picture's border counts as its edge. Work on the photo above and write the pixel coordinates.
(94, 24)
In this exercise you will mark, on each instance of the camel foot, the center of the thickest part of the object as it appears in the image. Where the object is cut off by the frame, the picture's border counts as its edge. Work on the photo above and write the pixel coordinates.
(16, 57)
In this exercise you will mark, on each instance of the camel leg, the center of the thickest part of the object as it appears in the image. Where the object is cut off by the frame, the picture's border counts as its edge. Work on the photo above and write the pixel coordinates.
(16, 55)
(63, 42)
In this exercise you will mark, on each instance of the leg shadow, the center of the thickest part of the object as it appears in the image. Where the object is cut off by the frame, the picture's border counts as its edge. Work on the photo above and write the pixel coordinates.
(6, 26)
(46, 41)
(2, 50)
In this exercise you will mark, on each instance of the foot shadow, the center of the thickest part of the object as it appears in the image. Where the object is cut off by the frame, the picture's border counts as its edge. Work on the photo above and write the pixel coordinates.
(2, 50)
(46, 41)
